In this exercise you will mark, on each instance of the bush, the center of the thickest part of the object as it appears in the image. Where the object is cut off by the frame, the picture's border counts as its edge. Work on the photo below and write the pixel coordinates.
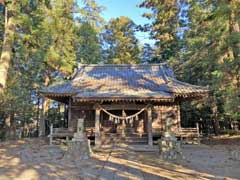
(230, 132)
(2, 135)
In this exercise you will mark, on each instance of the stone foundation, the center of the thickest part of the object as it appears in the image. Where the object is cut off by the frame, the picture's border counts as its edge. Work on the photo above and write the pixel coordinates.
(79, 147)
(78, 150)
(170, 149)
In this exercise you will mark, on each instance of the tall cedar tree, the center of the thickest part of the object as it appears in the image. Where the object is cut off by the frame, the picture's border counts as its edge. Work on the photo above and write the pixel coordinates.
(121, 45)
(212, 53)
(43, 50)
(91, 13)
(11, 10)
(16, 104)
(164, 27)
(88, 46)
(60, 57)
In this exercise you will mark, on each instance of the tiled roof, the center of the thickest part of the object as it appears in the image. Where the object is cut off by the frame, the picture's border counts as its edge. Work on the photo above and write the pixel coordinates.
(145, 81)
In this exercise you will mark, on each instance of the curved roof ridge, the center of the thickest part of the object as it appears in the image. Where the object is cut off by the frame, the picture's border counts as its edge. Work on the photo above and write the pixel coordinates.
(188, 84)
(80, 70)
(126, 81)
(120, 65)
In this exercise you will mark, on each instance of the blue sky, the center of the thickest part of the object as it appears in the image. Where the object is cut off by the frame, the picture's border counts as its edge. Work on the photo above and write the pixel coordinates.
(116, 8)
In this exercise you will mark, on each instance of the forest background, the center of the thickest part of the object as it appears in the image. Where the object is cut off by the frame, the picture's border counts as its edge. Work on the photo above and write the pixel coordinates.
(42, 41)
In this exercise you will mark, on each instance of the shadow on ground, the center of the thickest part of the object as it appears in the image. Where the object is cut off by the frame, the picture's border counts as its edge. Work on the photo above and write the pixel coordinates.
(35, 160)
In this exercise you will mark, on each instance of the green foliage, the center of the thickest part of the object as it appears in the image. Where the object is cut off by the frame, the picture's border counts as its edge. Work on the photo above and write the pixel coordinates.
(48, 40)
(213, 51)
(230, 132)
(121, 45)
(59, 27)
(2, 19)
(148, 54)
(91, 13)
(164, 27)
(88, 45)
(23, 74)
(200, 39)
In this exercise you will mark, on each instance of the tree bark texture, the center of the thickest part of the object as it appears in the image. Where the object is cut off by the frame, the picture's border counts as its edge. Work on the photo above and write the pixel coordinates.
(45, 105)
(6, 55)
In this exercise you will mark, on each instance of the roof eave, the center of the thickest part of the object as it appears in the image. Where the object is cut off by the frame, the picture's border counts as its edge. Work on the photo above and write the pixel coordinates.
(116, 99)
(192, 95)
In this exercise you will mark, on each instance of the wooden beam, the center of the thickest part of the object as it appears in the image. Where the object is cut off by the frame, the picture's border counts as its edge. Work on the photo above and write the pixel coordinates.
(150, 136)
(120, 99)
(110, 107)
(69, 113)
(82, 107)
(178, 117)
(123, 106)
(97, 127)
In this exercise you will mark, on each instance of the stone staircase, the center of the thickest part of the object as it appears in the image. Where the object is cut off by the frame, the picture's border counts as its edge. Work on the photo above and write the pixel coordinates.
(131, 139)
(136, 139)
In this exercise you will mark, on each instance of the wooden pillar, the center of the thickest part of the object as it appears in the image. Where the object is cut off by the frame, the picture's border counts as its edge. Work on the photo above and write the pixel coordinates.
(178, 118)
(150, 136)
(70, 113)
(198, 134)
(97, 127)
(123, 124)
(51, 134)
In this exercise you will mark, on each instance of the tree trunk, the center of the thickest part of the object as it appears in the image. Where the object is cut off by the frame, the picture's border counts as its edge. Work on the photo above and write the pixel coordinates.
(42, 122)
(235, 28)
(214, 118)
(216, 126)
(6, 55)
(7, 126)
(12, 126)
(38, 112)
(45, 105)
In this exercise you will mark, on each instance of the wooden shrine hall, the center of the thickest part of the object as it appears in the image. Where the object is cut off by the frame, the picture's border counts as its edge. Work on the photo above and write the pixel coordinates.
(124, 101)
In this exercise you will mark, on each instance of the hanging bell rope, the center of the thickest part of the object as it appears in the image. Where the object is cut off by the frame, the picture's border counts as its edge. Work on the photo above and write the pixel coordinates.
(124, 117)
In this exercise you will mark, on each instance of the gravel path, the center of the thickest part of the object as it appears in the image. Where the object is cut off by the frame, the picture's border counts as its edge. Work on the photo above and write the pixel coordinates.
(35, 160)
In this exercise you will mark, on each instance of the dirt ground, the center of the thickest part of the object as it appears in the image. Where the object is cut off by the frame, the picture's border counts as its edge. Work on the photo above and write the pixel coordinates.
(34, 159)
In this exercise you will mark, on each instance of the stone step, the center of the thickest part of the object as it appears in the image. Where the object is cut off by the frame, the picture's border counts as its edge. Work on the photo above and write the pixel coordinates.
(136, 142)
(136, 139)
(129, 140)
(127, 135)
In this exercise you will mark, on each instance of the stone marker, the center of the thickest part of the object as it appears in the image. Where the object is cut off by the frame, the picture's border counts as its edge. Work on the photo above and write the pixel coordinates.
(79, 147)
(169, 147)
(235, 155)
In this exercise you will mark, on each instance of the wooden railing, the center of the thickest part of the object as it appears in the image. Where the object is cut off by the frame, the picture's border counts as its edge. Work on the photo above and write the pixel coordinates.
(60, 133)
(66, 133)
(189, 134)
(185, 134)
